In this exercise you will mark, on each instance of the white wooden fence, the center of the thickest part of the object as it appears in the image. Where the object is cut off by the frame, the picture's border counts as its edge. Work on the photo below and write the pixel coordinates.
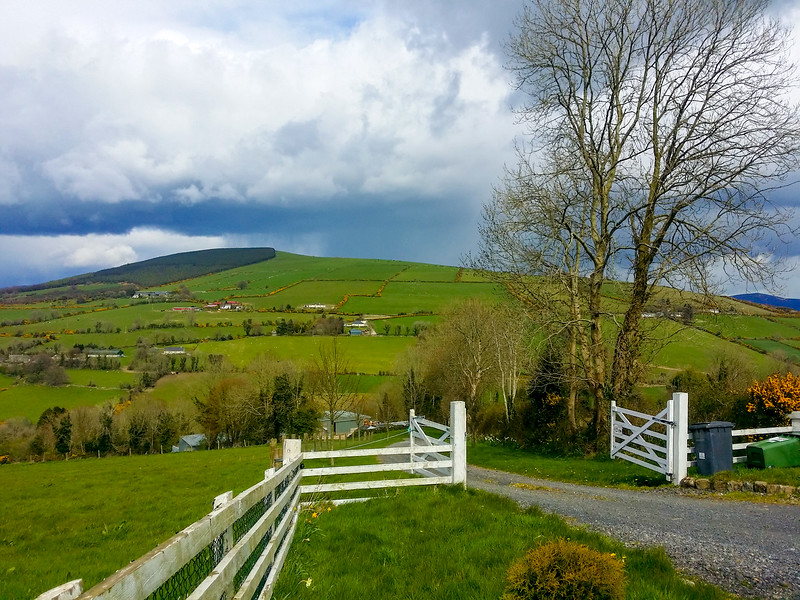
(661, 442)
(236, 552)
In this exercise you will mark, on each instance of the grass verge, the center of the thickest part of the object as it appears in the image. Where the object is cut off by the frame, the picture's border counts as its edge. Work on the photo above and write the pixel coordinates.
(449, 544)
(587, 471)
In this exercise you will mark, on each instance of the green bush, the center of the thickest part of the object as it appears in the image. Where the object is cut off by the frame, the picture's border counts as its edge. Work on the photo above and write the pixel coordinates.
(565, 569)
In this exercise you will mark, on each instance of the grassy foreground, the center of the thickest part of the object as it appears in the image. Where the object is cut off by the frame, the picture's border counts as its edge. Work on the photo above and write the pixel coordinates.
(449, 544)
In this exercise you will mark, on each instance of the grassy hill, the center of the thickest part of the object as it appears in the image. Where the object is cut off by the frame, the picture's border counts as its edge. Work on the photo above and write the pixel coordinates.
(153, 272)
(396, 297)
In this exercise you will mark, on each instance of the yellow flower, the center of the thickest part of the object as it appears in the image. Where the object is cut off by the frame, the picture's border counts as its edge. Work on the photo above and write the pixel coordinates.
(314, 515)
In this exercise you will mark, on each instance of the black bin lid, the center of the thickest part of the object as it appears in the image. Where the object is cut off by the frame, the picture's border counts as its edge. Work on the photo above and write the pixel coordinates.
(712, 425)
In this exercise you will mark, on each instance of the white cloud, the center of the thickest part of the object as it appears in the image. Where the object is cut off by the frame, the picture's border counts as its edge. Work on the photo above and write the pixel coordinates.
(158, 102)
(50, 257)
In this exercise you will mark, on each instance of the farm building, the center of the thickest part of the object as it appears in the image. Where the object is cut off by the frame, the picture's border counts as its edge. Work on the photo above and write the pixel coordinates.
(189, 443)
(173, 350)
(104, 353)
(345, 421)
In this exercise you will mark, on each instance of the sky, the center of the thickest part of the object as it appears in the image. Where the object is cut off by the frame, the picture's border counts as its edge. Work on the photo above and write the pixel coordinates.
(130, 130)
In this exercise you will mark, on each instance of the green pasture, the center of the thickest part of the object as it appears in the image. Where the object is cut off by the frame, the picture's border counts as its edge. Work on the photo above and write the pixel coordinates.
(434, 273)
(689, 347)
(472, 276)
(793, 322)
(179, 387)
(380, 324)
(775, 348)
(315, 292)
(30, 401)
(115, 379)
(365, 384)
(288, 268)
(123, 317)
(409, 297)
(366, 354)
(87, 518)
(742, 326)
(128, 341)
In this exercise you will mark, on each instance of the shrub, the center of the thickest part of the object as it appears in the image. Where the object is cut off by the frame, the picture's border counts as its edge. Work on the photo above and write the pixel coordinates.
(565, 570)
(771, 401)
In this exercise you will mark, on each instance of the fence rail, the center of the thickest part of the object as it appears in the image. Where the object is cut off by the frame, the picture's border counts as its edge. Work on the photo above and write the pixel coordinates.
(237, 551)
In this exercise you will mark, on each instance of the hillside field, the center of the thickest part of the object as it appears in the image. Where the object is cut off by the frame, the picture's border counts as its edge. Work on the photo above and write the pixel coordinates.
(395, 297)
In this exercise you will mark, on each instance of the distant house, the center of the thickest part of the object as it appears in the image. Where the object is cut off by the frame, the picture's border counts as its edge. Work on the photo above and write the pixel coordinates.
(104, 353)
(18, 358)
(173, 350)
(190, 443)
(146, 294)
(345, 422)
(356, 332)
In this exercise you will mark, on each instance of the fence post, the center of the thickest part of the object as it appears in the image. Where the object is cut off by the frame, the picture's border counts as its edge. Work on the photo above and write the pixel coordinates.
(680, 447)
(458, 438)
(795, 417)
(612, 422)
(291, 450)
(411, 416)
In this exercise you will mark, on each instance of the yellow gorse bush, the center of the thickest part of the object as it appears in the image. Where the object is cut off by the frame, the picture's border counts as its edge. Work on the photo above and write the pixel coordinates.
(774, 398)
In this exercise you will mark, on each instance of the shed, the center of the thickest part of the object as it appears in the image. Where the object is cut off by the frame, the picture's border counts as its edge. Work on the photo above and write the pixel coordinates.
(174, 350)
(345, 421)
(188, 443)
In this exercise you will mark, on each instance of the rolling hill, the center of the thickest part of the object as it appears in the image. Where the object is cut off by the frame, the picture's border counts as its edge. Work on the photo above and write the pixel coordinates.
(264, 291)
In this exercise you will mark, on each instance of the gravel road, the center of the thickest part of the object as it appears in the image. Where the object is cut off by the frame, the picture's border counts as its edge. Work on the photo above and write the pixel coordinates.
(747, 548)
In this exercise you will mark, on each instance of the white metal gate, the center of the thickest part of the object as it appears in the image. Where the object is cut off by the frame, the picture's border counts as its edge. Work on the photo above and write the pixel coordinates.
(656, 442)
(423, 445)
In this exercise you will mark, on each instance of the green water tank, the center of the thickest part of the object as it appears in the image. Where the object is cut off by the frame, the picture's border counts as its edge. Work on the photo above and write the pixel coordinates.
(780, 451)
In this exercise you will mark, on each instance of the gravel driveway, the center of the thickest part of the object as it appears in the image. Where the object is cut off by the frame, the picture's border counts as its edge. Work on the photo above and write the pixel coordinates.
(746, 548)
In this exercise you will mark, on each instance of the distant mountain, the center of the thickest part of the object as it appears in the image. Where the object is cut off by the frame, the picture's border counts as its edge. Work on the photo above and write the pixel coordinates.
(164, 269)
(769, 300)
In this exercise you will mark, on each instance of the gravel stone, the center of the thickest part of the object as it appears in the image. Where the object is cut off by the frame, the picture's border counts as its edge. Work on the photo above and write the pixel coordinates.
(746, 548)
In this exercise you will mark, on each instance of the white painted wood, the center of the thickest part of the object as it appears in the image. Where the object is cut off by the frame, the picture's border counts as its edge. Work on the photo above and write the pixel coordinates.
(761, 431)
(458, 439)
(643, 446)
(143, 576)
(322, 471)
(285, 528)
(367, 452)
(411, 419)
(680, 434)
(277, 563)
(372, 485)
(220, 581)
(66, 591)
(222, 500)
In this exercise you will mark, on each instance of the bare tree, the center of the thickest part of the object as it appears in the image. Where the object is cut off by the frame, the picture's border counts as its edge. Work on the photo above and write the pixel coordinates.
(659, 129)
(333, 391)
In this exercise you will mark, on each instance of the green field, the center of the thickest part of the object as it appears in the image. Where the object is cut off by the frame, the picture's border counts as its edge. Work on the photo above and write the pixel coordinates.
(409, 297)
(403, 293)
(87, 518)
(368, 354)
(30, 401)
(745, 326)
